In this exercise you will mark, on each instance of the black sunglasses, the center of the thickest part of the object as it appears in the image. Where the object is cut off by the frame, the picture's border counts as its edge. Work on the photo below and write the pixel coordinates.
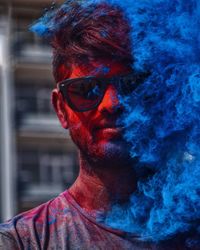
(86, 93)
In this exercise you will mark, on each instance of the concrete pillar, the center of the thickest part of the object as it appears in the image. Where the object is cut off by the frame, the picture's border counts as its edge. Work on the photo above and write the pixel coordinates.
(7, 135)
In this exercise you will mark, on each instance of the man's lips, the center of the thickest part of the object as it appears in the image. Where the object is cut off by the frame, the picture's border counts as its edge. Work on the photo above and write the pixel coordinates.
(109, 129)
(103, 124)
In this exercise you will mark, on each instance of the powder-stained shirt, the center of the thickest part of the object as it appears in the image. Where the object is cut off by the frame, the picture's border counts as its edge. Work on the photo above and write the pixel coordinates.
(62, 224)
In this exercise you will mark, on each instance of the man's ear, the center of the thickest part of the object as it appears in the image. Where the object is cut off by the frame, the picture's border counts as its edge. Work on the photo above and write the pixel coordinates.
(58, 104)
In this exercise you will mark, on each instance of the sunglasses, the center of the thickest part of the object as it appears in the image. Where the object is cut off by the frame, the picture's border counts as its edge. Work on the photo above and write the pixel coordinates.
(86, 93)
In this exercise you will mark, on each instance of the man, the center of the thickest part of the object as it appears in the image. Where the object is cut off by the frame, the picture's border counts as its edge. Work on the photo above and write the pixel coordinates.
(92, 67)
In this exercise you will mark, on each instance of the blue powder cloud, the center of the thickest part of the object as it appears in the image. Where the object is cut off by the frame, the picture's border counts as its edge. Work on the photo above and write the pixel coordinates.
(162, 116)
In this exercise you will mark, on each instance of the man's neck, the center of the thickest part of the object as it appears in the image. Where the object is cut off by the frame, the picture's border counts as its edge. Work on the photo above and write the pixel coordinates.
(98, 188)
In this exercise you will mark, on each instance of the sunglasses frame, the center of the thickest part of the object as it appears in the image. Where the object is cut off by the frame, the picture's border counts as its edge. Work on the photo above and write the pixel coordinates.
(114, 80)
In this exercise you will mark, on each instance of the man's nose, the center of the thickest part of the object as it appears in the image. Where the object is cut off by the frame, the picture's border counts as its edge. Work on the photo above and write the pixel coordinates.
(111, 101)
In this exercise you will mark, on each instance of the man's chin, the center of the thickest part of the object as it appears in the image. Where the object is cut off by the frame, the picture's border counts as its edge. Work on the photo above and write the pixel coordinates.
(113, 152)
(115, 147)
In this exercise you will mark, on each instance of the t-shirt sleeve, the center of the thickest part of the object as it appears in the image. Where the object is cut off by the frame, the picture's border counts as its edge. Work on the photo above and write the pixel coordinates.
(7, 242)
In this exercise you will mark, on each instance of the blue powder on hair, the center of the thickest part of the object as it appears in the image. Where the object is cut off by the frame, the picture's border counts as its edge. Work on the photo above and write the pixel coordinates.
(40, 29)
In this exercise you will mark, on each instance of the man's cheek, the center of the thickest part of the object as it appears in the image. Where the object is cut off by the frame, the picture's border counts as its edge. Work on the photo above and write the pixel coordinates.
(80, 136)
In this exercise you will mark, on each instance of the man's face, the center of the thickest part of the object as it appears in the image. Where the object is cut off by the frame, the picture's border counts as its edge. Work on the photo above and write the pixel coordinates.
(97, 132)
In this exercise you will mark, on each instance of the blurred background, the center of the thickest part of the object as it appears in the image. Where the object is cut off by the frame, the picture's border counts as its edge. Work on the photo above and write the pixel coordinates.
(37, 158)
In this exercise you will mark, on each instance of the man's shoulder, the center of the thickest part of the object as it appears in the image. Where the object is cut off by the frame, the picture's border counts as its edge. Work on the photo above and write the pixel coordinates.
(7, 242)
(33, 223)
(53, 207)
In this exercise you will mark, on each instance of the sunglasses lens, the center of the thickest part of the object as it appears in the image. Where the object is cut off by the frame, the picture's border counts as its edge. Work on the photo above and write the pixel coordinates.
(130, 82)
(85, 94)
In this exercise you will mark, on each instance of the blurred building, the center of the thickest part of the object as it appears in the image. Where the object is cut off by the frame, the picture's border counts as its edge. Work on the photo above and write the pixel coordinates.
(38, 159)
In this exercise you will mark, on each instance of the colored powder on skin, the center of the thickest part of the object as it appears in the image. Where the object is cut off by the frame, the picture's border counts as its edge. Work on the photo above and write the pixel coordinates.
(161, 117)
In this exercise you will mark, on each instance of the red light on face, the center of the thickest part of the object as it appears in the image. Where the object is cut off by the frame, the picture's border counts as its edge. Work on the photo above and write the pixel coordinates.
(93, 130)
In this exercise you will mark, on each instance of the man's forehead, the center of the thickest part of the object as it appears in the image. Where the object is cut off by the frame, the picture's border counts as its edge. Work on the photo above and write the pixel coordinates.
(100, 68)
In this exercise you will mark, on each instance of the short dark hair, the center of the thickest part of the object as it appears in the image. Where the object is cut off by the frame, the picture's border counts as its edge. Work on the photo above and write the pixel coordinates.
(99, 31)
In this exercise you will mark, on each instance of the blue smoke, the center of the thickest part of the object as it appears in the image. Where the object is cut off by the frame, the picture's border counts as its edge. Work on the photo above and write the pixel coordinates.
(162, 116)
(163, 119)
